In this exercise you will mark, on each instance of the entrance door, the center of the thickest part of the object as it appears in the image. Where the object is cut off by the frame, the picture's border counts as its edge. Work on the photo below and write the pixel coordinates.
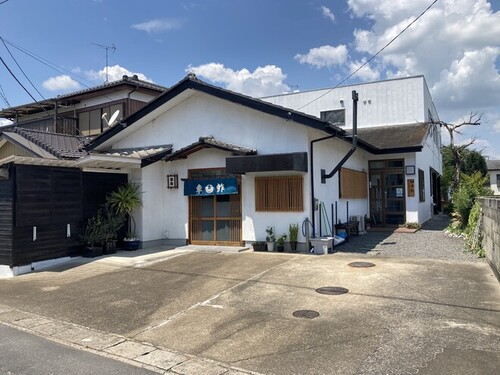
(215, 219)
(387, 197)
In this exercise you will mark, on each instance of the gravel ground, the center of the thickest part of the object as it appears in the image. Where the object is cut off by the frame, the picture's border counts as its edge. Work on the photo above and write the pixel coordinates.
(429, 242)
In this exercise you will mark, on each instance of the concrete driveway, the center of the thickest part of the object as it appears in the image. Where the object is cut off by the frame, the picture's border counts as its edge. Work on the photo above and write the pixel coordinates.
(401, 316)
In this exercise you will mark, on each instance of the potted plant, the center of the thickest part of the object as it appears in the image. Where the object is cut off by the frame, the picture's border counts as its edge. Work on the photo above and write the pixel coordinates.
(293, 232)
(281, 242)
(259, 246)
(270, 238)
(93, 237)
(112, 223)
(123, 201)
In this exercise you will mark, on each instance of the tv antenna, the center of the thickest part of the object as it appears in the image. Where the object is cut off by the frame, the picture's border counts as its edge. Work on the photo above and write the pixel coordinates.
(107, 48)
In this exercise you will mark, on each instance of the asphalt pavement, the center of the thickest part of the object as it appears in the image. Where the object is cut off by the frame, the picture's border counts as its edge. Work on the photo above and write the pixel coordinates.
(22, 353)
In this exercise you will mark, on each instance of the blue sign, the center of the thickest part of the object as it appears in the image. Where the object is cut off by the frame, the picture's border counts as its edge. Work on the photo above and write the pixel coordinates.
(220, 186)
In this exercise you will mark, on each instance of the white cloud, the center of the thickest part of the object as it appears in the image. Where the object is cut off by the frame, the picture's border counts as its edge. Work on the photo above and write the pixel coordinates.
(470, 80)
(115, 73)
(60, 83)
(157, 25)
(324, 56)
(327, 13)
(366, 73)
(263, 81)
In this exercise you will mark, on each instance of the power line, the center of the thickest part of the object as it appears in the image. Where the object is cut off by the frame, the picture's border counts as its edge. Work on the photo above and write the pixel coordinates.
(371, 58)
(20, 84)
(50, 64)
(21, 69)
(17, 80)
(4, 98)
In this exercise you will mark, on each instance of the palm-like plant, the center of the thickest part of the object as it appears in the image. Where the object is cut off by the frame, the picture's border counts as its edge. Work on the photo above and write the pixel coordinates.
(124, 200)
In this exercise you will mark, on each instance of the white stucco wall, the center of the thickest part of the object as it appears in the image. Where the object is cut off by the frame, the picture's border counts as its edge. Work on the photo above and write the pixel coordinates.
(165, 212)
(430, 157)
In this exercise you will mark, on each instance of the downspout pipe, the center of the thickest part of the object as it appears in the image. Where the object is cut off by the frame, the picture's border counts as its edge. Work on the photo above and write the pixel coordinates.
(313, 220)
(324, 175)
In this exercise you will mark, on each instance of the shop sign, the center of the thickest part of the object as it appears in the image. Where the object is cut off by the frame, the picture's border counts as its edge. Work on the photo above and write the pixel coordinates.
(219, 186)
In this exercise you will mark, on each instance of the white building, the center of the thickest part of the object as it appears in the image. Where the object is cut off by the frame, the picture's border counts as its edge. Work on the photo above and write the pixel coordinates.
(238, 165)
(494, 174)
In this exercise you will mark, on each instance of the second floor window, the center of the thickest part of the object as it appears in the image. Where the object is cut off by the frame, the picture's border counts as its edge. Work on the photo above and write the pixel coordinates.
(92, 123)
(335, 116)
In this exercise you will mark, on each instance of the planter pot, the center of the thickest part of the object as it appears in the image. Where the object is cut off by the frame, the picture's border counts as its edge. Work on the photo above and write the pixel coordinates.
(293, 246)
(259, 246)
(110, 247)
(131, 245)
(270, 246)
(92, 251)
(280, 248)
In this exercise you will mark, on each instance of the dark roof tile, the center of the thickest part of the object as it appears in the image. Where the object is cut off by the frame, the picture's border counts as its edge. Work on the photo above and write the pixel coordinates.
(60, 145)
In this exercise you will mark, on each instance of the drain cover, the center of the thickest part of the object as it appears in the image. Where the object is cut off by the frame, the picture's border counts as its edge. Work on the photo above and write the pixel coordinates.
(332, 290)
(307, 314)
(362, 264)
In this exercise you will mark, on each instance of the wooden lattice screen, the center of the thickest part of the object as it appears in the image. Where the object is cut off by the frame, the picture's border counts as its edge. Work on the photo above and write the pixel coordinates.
(353, 184)
(280, 193)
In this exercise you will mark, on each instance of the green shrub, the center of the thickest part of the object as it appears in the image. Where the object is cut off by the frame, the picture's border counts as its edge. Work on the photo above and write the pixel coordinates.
(464, 197)
(473, 235)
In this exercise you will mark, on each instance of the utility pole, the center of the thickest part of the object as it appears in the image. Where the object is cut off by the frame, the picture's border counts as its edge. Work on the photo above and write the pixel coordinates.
(107, 48)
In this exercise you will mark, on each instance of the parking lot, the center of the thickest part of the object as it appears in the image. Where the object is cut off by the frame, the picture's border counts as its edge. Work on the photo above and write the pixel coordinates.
(399, 316)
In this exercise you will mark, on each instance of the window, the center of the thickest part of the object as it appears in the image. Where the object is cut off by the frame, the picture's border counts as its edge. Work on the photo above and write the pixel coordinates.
(498, 181)
(92, 123)
(279, 194)
(336, 116)
(421, 185)
(353, 184)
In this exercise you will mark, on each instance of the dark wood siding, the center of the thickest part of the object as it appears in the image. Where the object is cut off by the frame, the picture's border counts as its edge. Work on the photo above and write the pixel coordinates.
(49, 199)
(96, 186)
(6, 219)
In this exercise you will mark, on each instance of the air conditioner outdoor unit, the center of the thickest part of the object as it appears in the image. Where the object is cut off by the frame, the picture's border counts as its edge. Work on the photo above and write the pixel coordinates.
(361, 220)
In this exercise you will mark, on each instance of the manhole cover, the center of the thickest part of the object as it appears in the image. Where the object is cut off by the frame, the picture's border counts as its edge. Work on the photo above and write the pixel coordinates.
(307, 314)
(332, 290)
(362, 264)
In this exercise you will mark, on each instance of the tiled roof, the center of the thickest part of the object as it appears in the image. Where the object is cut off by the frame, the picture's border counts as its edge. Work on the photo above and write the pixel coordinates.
(209, 142)
(125, 79)
(395, 136)
(60, 145)
(138, 152)
(75, 96)
(493, 165)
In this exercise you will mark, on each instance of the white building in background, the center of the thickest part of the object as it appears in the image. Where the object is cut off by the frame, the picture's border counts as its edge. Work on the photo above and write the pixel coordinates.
(494, 174)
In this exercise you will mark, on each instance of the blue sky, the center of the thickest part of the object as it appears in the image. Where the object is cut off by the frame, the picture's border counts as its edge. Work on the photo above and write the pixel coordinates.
(262, 47)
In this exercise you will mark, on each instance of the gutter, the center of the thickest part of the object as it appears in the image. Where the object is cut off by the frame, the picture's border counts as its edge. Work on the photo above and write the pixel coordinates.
(313, 221)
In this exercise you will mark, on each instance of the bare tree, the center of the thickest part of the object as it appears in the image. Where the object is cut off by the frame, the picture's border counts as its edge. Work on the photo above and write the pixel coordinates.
(456, 129)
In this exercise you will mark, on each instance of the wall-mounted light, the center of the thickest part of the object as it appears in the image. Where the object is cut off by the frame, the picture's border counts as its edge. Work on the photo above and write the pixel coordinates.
(172, 181)
(341, 103)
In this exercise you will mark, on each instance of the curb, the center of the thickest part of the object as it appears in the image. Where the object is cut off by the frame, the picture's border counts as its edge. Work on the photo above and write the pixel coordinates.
(120, 348)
